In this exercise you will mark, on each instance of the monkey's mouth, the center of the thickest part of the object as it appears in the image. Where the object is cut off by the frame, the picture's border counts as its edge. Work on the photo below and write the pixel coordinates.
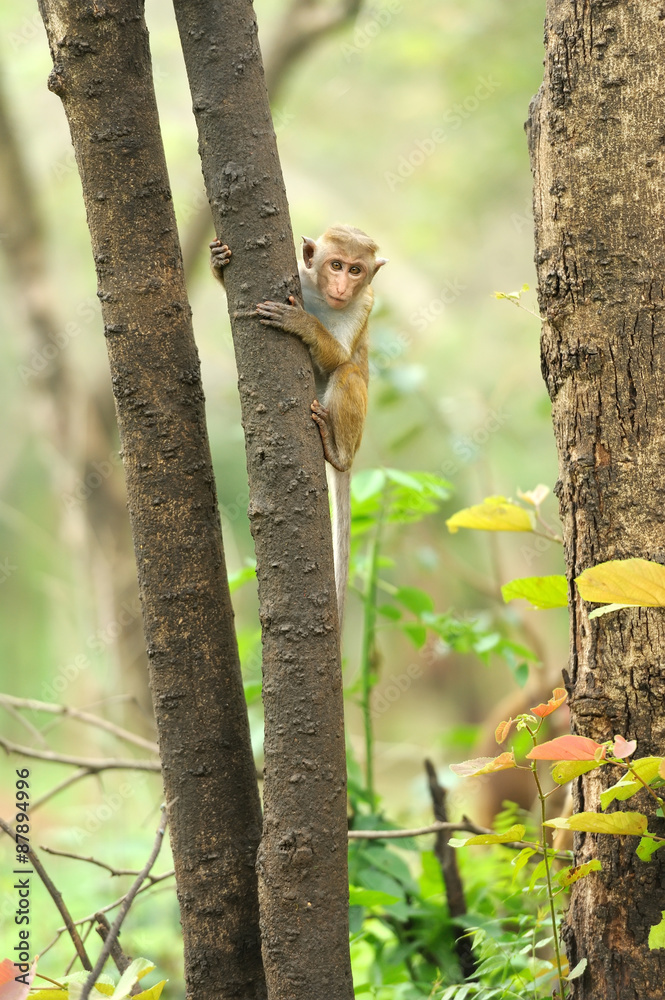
(335, 303)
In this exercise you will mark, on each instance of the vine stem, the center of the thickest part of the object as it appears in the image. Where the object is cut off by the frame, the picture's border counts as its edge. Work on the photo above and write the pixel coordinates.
(548, 874)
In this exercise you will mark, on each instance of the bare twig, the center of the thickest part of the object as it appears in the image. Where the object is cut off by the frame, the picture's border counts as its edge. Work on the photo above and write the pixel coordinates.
(465, 825)
(56, 896)
(452, 882)
(419, 831)
(109, 868)
(112, 935)
(91, 764)
(32, 729)
(121, 960)
(9, 701)
(154, 879)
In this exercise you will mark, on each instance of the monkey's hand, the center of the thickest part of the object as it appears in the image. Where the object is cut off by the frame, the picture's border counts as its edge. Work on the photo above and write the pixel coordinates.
(280, 315)
(220, 255)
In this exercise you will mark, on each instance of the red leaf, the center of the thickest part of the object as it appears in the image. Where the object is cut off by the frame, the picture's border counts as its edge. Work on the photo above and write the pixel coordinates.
(623, 748)
(568, 748)
(559, 695)
(9, 988)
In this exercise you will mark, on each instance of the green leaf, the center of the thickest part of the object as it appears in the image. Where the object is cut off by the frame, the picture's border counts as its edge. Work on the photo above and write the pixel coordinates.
(521, 859)
(416, 633)
(565, 770)
(627, 582)
(139, 968)
(645, 767)
(417, 601)
(389, 611)
(621, 823)
(366, 484)
(542, 592)
(493, 514)
(369, 897)
(538, 872)
(578, 970)
(647, 847)
(252, 691)
(241, 577)
(657, 934)
(574, 873)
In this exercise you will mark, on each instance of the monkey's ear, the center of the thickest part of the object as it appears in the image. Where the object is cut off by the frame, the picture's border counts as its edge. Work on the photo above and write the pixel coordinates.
(308, 248)
(379, 262)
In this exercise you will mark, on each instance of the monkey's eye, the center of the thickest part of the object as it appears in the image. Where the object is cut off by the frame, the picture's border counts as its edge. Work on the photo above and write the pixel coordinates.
(355, 269)
(336, 265)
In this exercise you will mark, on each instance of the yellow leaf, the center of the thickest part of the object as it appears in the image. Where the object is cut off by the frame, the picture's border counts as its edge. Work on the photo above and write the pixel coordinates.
(484, 765)
(516, 832)
(633, 582)
(621, 823)
(493, 514)
(536, 496)
(566, 770)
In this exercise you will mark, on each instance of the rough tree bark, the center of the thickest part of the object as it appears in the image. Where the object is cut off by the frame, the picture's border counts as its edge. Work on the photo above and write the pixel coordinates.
(103, 75)
(303, 887)
(597, 142)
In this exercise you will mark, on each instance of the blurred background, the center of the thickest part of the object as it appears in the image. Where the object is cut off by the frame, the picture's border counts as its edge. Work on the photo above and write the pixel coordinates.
(408, 123)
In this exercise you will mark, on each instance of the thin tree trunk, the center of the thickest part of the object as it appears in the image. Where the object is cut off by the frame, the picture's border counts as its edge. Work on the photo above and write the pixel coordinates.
(303, 887)
(102, 73)
(597, 141)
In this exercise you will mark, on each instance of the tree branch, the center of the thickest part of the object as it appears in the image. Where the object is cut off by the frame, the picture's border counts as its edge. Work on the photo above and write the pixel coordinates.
(113, 933)
(88, 718)
(109, 868)
(91, 764)
(56, 896)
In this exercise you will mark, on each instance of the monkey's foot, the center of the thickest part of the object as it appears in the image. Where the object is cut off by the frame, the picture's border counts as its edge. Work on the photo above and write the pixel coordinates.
(220, 255)
(320, 415)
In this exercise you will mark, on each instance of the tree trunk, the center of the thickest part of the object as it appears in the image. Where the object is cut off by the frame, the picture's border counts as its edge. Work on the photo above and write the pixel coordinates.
(597, 142)
(102, 73)
(303, 887)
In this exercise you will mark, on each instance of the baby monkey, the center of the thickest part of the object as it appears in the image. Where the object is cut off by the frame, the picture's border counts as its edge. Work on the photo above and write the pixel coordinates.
(336, 275)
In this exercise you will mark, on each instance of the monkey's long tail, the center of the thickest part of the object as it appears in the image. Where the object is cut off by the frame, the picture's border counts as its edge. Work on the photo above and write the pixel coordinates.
(340, 490)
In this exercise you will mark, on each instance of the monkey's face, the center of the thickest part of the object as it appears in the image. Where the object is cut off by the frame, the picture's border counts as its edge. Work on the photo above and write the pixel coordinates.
(340, 279)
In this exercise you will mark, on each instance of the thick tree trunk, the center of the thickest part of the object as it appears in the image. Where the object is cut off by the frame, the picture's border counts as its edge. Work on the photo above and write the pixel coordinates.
(102, 73)
(597, 141)
(303, 887)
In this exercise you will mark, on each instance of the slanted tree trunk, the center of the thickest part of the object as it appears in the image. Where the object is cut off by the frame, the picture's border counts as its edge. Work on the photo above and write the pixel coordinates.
(303, 887)
(103, 75)
(597, 141)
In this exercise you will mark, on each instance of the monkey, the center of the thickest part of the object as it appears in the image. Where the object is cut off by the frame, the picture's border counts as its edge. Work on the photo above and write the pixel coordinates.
(335, 274)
